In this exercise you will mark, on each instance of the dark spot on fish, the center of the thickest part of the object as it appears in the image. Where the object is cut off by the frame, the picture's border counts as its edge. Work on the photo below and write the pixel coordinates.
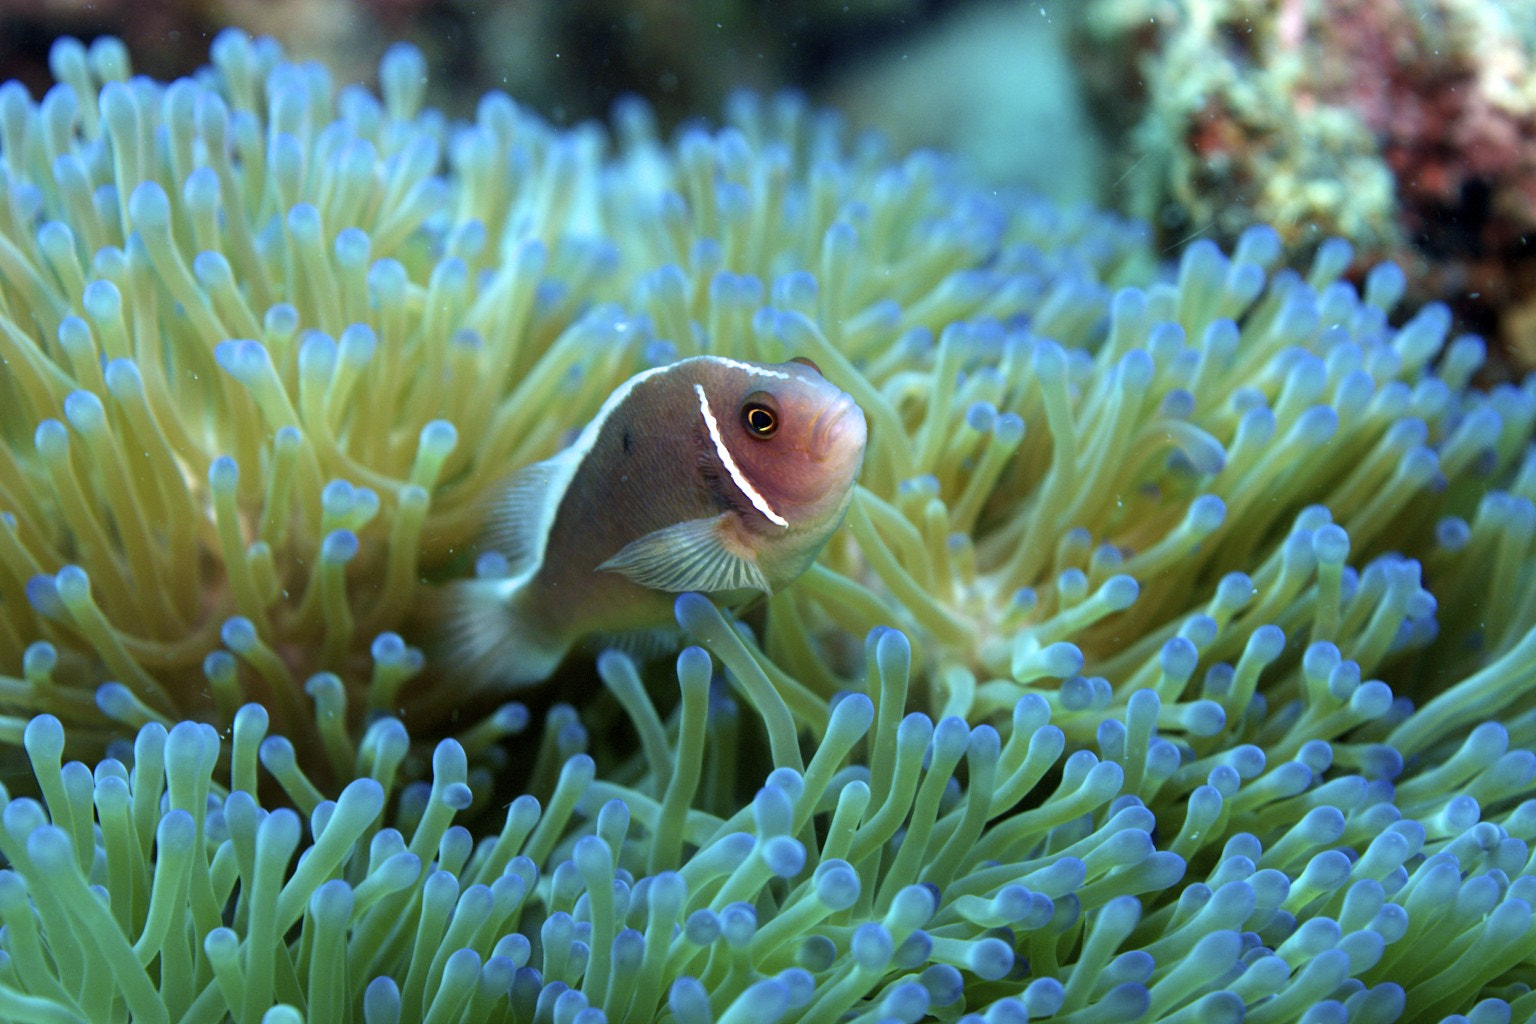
(628, 441)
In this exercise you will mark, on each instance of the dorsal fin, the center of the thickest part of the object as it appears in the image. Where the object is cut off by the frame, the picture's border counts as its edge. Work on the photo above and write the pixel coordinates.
(519, 526)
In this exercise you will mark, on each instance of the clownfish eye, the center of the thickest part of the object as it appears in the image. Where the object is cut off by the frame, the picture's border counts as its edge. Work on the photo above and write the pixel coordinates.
(804, 361)
(759, 417)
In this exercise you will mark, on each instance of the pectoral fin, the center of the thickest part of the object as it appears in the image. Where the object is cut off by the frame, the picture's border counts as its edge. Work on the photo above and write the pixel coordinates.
(691, 555)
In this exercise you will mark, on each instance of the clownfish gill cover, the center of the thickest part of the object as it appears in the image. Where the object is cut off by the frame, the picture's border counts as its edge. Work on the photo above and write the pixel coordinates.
(710, 474)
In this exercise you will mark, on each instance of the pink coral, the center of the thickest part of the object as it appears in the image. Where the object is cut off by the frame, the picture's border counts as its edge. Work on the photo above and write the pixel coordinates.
(1282, 111)
(1443, 89)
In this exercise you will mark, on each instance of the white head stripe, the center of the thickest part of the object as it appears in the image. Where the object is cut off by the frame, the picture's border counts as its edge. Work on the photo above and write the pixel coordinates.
(761, 371)
(758, 501)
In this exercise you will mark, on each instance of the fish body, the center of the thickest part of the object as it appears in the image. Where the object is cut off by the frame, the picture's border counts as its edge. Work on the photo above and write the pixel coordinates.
(709, 474)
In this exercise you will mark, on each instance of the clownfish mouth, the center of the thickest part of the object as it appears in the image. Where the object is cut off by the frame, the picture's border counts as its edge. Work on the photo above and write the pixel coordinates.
(828, 431)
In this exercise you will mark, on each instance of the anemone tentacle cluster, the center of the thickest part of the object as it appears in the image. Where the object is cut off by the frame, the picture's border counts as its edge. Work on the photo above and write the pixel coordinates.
(1178, 662)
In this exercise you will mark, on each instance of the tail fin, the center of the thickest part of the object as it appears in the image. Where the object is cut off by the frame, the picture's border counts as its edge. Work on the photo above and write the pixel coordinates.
(479, 632)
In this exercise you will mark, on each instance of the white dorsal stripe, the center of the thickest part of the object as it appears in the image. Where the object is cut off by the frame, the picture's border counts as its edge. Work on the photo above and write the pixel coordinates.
(564, 465)
(758, 501)
(752, 368)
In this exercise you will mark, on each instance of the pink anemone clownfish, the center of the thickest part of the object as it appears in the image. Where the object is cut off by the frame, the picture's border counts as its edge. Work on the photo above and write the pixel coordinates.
(709, 474)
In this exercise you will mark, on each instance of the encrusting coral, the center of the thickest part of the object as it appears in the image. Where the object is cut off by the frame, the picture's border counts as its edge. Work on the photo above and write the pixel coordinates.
(1177, 663)
(1408, 126)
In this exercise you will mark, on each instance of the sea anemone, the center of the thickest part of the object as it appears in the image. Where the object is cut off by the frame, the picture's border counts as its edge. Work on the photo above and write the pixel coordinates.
(249, 321)
(1177, 662)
